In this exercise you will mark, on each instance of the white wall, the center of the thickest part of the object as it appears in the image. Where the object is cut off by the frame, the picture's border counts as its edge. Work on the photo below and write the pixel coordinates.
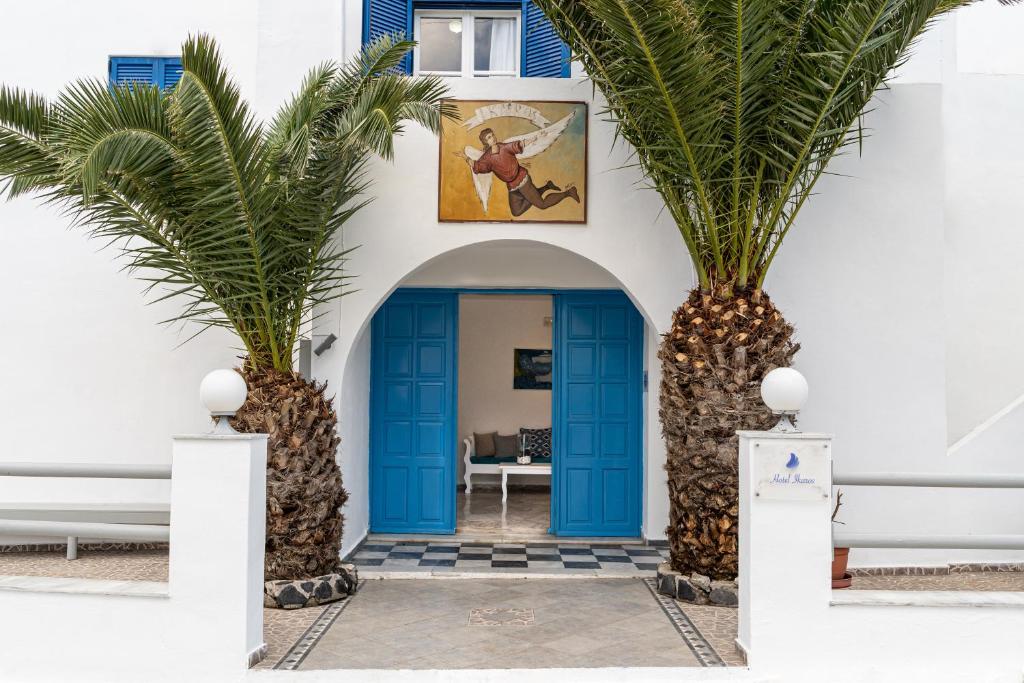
(204, 624)
(491, 327)
(793, 626)
(902, 280)
(98, 379)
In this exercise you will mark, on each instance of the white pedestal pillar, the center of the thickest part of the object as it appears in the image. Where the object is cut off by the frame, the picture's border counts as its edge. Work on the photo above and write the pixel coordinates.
(218, 531)
(785, 543)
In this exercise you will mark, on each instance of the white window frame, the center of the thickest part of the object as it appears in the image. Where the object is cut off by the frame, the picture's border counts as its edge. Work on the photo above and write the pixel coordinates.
(468, 40)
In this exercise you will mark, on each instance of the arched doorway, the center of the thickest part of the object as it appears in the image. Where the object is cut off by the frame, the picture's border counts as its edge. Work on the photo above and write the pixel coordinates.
(505, 266)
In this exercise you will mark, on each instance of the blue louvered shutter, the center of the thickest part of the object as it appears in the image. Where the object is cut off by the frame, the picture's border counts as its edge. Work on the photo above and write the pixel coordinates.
(544, 54)
(162, 71)
(125, 70)
(382, 17)
(171, 72)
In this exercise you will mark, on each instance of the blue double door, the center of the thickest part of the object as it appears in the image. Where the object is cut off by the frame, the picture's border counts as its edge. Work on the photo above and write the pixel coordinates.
(596, 414)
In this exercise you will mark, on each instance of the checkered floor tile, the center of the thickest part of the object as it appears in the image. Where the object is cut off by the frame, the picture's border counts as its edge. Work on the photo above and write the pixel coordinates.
(542, 557)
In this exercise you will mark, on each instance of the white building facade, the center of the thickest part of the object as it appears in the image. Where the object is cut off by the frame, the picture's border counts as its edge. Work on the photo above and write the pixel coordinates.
(900, 276)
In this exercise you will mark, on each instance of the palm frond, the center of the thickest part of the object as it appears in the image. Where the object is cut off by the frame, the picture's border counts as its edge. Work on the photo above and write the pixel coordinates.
(735, 107)
(238, 222)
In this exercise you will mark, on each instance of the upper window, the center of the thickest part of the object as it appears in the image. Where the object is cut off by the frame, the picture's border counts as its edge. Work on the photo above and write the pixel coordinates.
(162, 71)
(471, 37)
(480, 44)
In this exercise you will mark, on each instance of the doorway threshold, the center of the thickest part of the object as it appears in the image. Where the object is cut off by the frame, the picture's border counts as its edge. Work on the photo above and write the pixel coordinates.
(498, 537)
(386, 556)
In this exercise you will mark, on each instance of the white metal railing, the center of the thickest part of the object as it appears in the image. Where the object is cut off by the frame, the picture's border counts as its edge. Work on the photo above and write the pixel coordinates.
(117, 532)
(84, 470)
(842, 539)
(960, 481)
(72, 531)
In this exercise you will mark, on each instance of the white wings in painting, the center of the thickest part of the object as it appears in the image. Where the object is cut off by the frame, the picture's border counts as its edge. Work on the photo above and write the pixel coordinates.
(533, 144)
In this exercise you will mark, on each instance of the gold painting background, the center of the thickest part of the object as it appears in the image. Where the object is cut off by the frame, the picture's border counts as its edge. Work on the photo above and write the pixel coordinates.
(564, 162)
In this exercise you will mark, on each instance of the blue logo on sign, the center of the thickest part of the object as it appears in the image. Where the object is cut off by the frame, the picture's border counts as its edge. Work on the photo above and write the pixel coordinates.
(794, 461)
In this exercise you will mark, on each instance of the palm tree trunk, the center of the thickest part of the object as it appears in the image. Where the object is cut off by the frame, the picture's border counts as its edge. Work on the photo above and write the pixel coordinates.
(719, 349)
(304, 491)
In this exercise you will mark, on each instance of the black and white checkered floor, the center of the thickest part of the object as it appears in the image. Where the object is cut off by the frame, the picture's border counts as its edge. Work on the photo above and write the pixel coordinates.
(543, 558)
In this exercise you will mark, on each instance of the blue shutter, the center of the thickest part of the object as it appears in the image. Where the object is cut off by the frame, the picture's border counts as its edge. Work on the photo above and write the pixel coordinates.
(125, 70)
(172, 72)
(544, 54)
(383, 17)
(162, 71)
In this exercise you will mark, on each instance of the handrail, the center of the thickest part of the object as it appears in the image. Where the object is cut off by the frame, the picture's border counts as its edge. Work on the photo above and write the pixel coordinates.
(936, 480)
(842, 539)
(85, 470)
(118, 532)
(932, 541)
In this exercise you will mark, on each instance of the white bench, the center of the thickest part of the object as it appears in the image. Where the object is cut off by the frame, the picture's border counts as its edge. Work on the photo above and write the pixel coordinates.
(475, 468)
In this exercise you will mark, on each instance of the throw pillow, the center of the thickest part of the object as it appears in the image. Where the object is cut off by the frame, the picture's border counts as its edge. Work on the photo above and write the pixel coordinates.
(506, 446)
(537, 442)
(484, 443)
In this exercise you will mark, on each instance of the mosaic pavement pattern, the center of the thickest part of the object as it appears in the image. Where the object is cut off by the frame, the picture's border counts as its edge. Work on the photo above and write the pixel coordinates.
(502, 616)
(116, 565)
(283, 630)
(557, 558)
(718, 626)
(960, 581)
(416, 624)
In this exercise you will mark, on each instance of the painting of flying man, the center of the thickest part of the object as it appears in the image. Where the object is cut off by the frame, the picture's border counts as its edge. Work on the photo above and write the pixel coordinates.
(537, 152)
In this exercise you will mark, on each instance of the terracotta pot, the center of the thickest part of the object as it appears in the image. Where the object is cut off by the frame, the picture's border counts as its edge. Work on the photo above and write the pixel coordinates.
(840, 579)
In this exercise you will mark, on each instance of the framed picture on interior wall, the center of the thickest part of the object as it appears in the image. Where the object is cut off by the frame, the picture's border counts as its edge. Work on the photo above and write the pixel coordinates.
(518, 162)
(533, 369)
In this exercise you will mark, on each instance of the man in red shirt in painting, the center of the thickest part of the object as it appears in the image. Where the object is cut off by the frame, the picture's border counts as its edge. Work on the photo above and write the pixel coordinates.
(500, 159)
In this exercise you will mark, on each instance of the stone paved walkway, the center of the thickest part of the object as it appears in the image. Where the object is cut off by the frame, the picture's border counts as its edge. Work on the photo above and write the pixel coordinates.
(959, 581)
(503, 624)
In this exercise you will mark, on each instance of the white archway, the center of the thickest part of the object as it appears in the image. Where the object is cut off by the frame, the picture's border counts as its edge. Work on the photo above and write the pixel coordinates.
(487, 264)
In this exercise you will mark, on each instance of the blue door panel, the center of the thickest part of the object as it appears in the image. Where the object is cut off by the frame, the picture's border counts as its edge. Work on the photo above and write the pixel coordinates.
(615, 498)
(395, 488)
(397, 359)
(412, 414)
(597, 438)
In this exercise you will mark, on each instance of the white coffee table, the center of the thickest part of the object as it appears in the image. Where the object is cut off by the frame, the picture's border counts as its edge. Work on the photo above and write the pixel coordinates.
(516, 468)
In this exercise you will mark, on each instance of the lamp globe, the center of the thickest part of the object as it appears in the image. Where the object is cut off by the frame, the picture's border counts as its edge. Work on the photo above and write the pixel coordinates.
(784, 390)
(223, 392)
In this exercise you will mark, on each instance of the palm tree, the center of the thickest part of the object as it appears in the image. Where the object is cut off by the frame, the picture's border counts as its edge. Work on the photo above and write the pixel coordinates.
(734, 109)
(238, 221)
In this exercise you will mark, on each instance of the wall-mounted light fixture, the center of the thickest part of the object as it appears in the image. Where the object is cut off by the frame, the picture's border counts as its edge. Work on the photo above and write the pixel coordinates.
(325, 344)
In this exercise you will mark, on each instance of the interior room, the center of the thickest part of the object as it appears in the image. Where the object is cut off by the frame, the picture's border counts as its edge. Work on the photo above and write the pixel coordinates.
(504, 413)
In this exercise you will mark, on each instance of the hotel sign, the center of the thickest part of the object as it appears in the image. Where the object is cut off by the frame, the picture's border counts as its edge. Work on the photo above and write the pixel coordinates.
(791, 470)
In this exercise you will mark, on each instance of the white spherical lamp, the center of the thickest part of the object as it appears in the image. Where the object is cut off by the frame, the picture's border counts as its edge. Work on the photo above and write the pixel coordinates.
(223, 392)
(784, 390)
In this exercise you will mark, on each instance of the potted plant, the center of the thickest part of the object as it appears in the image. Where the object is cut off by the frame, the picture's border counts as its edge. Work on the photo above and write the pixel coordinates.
(840, 556)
